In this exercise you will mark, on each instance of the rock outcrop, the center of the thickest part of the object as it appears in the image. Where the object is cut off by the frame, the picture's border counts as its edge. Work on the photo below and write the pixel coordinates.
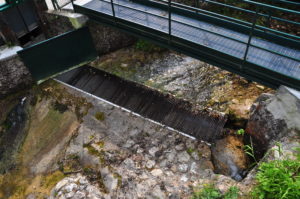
(272, 117)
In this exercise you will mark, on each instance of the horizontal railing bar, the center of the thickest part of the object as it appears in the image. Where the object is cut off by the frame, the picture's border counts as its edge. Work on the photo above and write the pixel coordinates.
(272, 7)
(245, 23)
(179, 22)
(218, 34)
(252, 12)
(288, 2)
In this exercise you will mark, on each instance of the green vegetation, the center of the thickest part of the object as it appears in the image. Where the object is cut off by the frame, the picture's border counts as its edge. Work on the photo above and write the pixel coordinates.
(209, 192)
(50, 180)
(95, 152)
(278, 179)
(100, 116)
(249, 150)
(190, 150)
(240, 132)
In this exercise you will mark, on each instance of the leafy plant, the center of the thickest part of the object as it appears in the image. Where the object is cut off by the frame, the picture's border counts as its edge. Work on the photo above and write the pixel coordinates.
(240, 132)
(232, 193)
(249, 150)
(208, 192)
(278, 179)
(279, 148)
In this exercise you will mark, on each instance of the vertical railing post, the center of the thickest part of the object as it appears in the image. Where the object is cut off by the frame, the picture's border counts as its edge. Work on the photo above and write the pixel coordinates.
(72, 2)
(250, 37)
(113, 8)
(55, 4)
(270, 16)
(170, 25)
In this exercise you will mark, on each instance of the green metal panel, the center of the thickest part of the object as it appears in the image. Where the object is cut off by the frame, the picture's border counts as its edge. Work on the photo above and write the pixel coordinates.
(59, 54)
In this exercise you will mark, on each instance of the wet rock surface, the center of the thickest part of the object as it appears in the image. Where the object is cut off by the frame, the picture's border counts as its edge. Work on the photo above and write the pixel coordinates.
(202, 84)
(12, 134)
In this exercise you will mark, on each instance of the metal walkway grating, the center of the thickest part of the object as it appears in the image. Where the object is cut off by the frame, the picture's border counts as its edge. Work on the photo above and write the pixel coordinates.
(274, 57)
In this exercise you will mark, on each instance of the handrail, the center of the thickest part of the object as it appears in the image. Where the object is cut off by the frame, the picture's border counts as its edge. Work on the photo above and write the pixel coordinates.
(272, 7)
(248, 44)
(288, 2)
(252, 12)
(259, 27)
(244, 23)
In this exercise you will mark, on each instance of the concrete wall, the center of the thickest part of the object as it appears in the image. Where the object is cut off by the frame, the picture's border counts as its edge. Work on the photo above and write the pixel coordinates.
(106, 39)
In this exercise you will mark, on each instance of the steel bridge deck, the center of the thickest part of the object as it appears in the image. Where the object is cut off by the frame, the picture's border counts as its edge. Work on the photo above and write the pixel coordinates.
(268, 56)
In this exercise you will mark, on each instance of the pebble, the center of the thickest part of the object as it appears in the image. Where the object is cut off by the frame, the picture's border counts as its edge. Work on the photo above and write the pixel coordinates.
(150, 164)
(156, 172)
(183, 157)
(183, 168)
(153, 150)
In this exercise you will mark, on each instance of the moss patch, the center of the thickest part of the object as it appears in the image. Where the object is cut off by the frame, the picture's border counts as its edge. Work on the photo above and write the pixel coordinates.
(93, 151)
(52, 179)
(63, 100)
(100, 116)
(18, 184)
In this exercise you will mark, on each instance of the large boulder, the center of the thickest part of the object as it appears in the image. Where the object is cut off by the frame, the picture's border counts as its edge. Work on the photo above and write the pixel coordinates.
(273, 117)
(229, 158)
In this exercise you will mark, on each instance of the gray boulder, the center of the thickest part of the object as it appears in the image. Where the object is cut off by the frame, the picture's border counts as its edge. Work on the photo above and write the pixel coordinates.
(273, 117)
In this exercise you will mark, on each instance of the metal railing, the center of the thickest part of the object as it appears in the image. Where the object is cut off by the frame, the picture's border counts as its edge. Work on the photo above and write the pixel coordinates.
(260, 6)
(253, 26)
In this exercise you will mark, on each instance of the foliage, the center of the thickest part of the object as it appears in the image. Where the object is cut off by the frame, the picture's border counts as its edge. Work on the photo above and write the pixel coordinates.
(209, 192)
(240, 132)
(249, 150)
(190, 150)
(278, 179)
(232, 193)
